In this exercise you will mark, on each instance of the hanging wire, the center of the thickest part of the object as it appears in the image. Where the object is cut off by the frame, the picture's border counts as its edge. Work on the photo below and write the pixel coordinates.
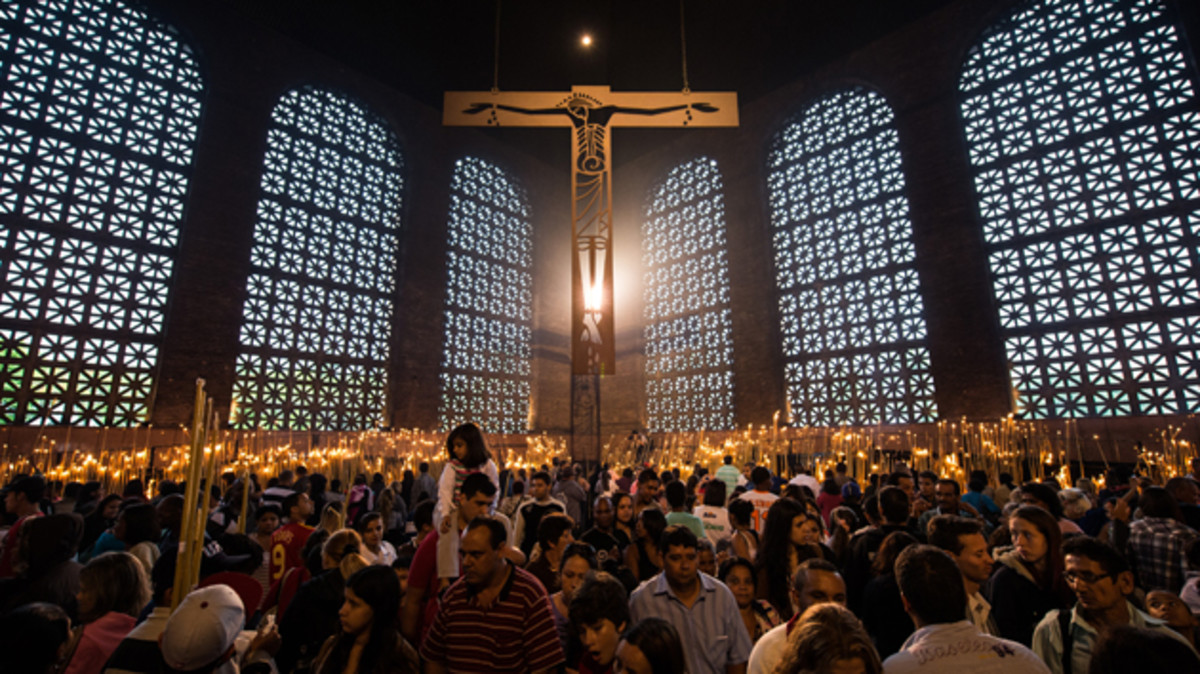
(683, 46)
(496, 53)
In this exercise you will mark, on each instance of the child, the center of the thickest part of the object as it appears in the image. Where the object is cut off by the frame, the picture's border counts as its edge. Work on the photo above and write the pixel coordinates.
(468, 453)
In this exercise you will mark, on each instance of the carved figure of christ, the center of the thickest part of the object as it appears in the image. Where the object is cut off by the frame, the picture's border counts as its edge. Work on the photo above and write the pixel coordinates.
(591, 112)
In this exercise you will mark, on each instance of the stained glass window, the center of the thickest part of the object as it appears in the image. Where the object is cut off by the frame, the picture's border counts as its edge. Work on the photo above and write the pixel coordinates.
(852, 320)
(689, 349)
(485, 374)
(99, 105)
(1084, 132)
(318, 313)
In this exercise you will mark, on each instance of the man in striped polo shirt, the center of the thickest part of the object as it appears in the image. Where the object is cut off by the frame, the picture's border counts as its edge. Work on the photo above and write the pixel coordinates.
(496, 617)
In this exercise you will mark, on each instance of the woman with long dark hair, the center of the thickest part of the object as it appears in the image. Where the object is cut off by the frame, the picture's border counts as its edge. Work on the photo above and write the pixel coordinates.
(578, 562)
(784, 547)
(312, 615)
(136, 531)
(368, 641)
(100, 518)
(642, 556)
(883, 611)
(1028, 582)
(623, 508)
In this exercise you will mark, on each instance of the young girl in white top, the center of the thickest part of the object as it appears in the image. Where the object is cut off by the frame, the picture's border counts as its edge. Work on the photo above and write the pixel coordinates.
(467, 453)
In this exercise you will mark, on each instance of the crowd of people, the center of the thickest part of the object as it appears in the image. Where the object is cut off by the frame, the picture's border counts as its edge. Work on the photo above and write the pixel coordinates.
(620, 569)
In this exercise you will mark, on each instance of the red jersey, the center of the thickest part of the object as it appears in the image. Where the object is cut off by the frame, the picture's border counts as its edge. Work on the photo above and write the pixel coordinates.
(286, 545)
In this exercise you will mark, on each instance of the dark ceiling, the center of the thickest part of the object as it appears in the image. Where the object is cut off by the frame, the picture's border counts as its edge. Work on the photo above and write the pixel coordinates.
(426, 47)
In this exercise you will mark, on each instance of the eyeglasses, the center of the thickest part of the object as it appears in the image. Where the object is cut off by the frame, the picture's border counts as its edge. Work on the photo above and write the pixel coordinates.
(1087, 577)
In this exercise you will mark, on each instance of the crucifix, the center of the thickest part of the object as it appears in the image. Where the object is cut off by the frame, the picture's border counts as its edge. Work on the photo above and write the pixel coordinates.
(591, 112)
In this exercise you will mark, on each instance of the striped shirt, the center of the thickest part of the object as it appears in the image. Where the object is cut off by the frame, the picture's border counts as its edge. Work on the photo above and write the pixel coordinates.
(515, 634)
(711, 631)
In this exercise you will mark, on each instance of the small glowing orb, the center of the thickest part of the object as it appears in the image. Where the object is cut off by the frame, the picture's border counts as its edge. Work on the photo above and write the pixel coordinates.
(586, 40)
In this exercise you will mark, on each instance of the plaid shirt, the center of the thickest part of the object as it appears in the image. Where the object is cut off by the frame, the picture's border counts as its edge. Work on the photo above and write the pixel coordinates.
(1156, 549)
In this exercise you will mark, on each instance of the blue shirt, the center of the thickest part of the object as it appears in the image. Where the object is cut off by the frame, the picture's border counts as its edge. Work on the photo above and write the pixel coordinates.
(980, 502)
(711, 631)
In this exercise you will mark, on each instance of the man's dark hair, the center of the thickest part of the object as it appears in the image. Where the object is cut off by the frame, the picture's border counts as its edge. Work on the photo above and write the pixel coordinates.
(1127, 648)
(894, 505)
(1105, 555)
(800, 575)
(728, 459)
(551, 528)
(289, 502)
(478, 483)
(542, 475)
(952, 483)
(497, 534)
(927, 475)
(1006, 478)
(759, 475)
(423, 467)
(932, 583)
(871, 506)
(600, 597)
(268, 509)
(944, 531)
(33, 487)
(647, 475)
(1158, 502)
(423, 514)
(714, 493)
(676, 494)
(894, 477)
(286, 476)
(677, 535)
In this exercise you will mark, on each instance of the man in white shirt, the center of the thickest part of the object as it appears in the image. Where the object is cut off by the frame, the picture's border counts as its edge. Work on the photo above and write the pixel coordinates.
(816, 581)
(761, 497)
(803, 479)
(963, 539)
(945, 641)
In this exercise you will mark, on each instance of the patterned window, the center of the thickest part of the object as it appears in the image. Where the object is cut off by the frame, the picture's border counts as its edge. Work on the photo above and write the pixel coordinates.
(318, 313)
(852, 320)
(689, 350)
(486, 356)
(1084, 132)
(99, 105)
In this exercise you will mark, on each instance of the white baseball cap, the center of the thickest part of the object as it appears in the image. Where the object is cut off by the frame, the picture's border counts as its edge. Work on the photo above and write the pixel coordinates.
(203, 628)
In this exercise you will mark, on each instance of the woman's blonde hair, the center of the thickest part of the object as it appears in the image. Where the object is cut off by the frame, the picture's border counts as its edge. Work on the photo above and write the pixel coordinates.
(118, 583)
(343, 548)
(825, 634)
(331, 517)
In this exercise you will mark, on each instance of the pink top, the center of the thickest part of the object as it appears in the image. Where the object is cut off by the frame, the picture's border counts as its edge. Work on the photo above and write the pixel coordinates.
(100, 638)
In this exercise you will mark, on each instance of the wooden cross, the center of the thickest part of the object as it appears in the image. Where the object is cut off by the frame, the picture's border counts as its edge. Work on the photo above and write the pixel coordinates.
(591, 111)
